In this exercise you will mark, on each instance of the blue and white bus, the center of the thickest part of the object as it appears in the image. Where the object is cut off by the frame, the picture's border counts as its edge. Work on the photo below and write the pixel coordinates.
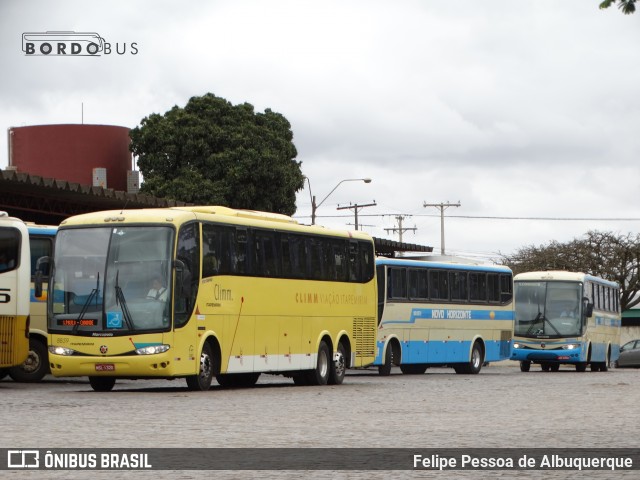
(36, 366)
(433, 313)
(566, 318)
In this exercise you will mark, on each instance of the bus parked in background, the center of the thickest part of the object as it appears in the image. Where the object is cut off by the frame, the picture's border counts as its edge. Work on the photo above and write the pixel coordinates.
(36, 366)
(14, 292)
(566, 318)
(203, 292)
(433, 313)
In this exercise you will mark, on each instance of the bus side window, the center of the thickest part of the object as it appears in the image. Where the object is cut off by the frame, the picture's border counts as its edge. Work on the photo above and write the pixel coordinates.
(188, 253)
(9, 249)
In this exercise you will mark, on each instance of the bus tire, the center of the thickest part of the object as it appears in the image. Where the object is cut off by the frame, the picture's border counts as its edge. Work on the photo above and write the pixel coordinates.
(102, 384)
(581, 367)
(545, 367)
(338, 367)
(300, 379)
(202, 381)
(238, 380)
(320, 374)
(385, 369)
(555, 367)
(413, 368)
(35, 367)
(3, 372)
(475, 364)
(525, 366)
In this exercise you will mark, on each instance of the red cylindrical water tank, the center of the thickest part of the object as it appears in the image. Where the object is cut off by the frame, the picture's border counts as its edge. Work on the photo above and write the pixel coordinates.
(70, 152)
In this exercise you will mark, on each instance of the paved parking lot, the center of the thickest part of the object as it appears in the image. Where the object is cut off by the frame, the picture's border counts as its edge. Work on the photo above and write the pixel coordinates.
(500, 407)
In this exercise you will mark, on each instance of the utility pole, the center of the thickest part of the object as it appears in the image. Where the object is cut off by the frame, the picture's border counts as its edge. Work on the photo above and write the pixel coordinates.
(442, 207)
(356, 208)
(399, 229)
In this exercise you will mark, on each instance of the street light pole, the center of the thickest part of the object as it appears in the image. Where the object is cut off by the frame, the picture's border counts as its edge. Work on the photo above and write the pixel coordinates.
(315, 206)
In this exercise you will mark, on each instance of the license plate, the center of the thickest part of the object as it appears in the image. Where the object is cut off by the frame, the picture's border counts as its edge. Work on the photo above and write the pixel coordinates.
(105, 367)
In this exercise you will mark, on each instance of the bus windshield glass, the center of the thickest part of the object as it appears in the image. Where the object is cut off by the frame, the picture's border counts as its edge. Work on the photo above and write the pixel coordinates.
(548, 309)
(111, 280)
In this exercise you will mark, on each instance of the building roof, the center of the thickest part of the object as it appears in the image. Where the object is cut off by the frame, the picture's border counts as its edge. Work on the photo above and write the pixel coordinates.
(49, 201)
(389, 248)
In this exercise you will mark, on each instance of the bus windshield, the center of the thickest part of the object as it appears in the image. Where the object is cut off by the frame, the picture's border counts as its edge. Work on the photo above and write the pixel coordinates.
(111, 280)
(548, 309)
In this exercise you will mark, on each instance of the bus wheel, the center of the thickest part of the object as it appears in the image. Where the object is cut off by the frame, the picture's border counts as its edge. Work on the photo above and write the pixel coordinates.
(3, 372)
(545, 367)
(525, 366)
(238, 380)
(320, 375)
(385, 368)
(338, 367)
(202, 381)
(102, 384)
(555, 367)
(300, 379)
(475, 365)
(413, 369)
(35, 367)
(581, 367)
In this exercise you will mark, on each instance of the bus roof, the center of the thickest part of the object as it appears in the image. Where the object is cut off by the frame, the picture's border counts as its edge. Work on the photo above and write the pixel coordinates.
(450, 265)
(215, 214)
(41, 229)
(562, 275)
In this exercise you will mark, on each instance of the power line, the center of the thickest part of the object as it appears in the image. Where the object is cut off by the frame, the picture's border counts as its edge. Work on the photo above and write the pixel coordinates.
(551, 219)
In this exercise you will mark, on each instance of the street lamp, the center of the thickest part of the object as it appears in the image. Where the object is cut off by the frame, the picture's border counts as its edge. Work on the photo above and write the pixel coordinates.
(315, 206)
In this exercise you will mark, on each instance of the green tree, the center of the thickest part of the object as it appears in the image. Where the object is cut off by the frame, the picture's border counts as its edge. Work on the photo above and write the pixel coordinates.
(627, 6)
(608, 255)
(214, 153)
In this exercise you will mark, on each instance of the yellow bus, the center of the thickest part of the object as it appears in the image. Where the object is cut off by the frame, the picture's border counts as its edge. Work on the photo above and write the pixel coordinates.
(203, 292)
(14, 292)
(566, 318)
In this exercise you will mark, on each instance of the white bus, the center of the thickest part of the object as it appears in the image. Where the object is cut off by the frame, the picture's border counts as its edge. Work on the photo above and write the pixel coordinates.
(433, 313)
(566, 318)
(14, 292)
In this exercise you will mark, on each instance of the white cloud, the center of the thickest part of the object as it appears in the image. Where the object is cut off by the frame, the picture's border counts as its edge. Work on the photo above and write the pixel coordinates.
(517, 109)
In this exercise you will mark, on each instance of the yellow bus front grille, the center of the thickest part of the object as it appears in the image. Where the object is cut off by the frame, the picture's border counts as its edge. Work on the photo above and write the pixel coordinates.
(364, 333)
(7, 341)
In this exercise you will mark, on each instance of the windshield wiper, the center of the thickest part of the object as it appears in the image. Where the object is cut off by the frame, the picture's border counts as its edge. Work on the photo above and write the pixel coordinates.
(535, 321)
(123, 303)
(85, 307)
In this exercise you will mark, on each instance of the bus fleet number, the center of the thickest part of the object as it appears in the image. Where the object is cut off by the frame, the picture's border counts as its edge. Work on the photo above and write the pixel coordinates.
(5, 297)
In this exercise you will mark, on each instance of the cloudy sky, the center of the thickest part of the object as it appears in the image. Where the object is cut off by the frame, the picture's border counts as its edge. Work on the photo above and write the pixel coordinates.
(526, 112)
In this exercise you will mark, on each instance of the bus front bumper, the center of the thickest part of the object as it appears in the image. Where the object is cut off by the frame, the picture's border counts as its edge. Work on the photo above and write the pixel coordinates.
(541, 352)
(130, 366)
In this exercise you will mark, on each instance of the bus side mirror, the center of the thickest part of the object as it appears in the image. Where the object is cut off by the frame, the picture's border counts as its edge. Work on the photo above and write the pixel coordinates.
(37, 286)
(588, 308)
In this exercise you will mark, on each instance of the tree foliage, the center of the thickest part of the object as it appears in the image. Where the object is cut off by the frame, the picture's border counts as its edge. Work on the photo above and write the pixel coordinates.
(627, 6)
(214, 153)
(608, 255)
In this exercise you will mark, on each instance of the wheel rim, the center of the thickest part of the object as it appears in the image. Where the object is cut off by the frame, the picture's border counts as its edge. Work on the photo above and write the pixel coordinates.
(475, 358)
(205, 366)
(32, 363)
(339, 364)
(323, 365)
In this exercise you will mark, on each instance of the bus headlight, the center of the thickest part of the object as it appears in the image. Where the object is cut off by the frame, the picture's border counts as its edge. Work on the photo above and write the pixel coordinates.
(571, 346)
(61, 351)
(517, 345)
(152, 349)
